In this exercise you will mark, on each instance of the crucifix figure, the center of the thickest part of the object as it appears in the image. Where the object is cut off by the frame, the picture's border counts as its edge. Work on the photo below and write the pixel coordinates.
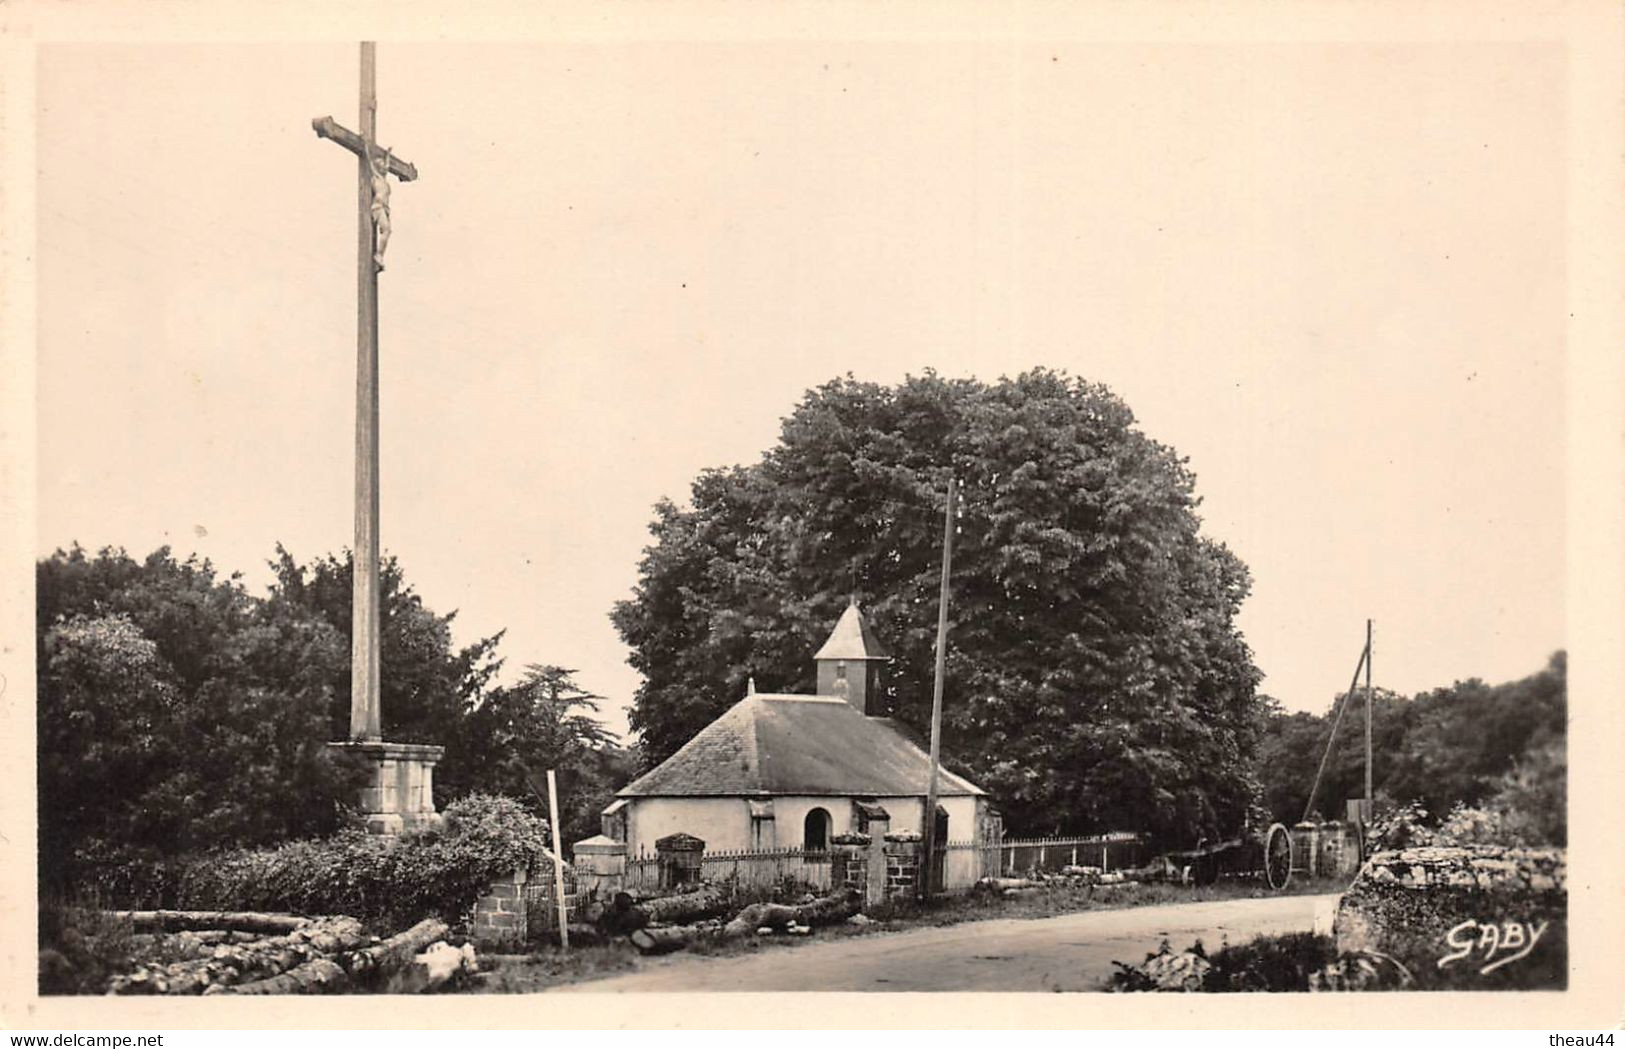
(379, 166)
(402, 789)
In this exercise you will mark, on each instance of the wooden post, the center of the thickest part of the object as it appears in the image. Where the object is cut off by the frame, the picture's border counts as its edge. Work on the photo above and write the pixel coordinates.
(558, 858)
(1370, 799)
(930, 834)
(366, 721)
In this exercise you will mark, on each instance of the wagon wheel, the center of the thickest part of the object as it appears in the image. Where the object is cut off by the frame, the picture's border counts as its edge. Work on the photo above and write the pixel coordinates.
(1277, 856)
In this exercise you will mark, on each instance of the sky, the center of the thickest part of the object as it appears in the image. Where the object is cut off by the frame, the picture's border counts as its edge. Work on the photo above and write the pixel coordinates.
(1331, 275)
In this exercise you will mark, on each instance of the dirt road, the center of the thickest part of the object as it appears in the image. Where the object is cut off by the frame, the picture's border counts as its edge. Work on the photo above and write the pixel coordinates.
(1073, 952)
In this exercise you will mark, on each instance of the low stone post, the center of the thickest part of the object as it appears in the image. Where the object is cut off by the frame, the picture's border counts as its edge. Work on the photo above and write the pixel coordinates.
(499, 918)
(600, 867)
(902, 854)
(874, 859)
(849, 863)
(1306, 836)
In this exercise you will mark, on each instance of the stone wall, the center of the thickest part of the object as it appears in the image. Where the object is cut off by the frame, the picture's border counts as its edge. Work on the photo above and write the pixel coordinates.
(1478, 916)
(499, 918)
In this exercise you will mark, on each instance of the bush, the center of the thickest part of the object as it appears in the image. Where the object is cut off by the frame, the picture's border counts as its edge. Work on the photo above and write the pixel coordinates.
(436, 872)
(1270, 963)
(109, 874)
(80, 948)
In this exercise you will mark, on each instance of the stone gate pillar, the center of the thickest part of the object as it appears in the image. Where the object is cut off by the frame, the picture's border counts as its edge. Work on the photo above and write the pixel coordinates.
(600, 867)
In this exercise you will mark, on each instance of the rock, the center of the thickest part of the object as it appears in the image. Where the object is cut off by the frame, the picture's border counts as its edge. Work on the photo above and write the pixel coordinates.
(860, 919)
(1168, 971)
(435, 967)
(1362, 971)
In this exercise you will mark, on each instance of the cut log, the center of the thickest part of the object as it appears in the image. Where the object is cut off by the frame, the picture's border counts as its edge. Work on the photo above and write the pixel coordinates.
(395, 952)
(1004, 884)
(581, 935)
(665, 938)
(238, 921)
(622, 916)
(317, 976)
(825, 910)
(706, 902)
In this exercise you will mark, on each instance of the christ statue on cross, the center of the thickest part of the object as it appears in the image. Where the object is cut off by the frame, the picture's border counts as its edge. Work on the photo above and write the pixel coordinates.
(379, 163)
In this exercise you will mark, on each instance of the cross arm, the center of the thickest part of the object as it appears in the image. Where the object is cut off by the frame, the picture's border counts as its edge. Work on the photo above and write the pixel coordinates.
(327, 128)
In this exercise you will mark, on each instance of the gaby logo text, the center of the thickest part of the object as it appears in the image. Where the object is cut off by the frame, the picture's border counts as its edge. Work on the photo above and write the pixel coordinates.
(1493, 944)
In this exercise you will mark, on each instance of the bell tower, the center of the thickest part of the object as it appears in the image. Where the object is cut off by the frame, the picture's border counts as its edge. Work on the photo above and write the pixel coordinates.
(850, 661)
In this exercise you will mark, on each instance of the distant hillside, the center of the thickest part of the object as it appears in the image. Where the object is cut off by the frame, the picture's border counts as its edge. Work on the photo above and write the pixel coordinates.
(1450, 745)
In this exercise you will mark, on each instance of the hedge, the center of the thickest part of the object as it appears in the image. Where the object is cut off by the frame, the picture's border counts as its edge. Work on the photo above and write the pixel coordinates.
(434, 872)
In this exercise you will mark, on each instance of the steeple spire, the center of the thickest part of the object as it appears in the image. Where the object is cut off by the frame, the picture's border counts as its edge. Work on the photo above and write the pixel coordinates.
(849, 663)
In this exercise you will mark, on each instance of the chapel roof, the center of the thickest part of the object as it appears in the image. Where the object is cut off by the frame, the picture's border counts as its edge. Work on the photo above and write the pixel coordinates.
(776, 744)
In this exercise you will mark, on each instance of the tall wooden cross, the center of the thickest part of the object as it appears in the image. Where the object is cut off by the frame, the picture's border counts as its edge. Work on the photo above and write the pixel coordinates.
(366, 722)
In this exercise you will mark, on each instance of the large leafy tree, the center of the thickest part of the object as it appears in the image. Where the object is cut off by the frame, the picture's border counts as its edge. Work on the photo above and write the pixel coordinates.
(1095, 674)
(545, 721)
(176, 712)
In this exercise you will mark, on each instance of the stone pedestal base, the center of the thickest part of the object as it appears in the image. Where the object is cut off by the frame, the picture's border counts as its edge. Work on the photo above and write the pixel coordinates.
(400, 794)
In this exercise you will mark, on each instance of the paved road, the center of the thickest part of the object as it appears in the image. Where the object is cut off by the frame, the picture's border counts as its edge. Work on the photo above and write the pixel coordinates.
(1073, 952)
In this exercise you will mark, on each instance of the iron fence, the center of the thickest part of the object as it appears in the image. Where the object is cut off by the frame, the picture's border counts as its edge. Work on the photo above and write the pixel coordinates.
(806, 868)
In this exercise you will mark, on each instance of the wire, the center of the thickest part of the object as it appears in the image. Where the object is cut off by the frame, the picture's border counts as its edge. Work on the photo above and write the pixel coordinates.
(1342, 705)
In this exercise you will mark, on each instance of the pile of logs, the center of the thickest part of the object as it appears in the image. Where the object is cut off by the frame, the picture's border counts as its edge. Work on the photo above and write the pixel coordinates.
(682, 926)
(1069, 876)
(211, 952)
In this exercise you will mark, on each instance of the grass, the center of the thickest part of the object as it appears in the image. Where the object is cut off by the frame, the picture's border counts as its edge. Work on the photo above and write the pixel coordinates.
(550, 966)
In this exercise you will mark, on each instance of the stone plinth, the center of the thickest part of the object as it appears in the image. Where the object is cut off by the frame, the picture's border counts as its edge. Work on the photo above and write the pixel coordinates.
(400, 794)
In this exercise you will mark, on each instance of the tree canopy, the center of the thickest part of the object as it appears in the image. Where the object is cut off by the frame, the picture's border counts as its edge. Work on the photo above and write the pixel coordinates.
(1095, 675)
(178, 712)
(1462, 744)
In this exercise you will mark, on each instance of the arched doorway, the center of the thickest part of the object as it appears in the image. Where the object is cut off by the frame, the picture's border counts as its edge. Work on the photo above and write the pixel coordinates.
(815, 831)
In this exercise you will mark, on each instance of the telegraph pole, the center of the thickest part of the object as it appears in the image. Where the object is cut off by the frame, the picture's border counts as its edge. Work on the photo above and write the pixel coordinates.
(1370, 799)
(930, 863)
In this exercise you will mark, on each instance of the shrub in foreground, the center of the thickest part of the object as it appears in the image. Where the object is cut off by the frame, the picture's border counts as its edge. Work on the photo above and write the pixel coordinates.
(435, 872)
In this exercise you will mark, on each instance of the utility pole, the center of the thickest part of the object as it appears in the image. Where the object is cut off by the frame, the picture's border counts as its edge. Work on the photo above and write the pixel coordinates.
(1370, 800)
(930, 835)
(366, 718)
